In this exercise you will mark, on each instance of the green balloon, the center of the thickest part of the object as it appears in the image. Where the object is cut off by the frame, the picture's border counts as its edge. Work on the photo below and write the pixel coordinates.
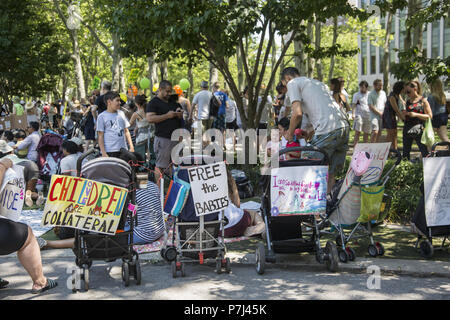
(145, 83)
(184, 84)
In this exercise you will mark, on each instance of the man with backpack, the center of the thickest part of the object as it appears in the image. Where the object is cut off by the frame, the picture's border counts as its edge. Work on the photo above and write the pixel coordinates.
(219, 117)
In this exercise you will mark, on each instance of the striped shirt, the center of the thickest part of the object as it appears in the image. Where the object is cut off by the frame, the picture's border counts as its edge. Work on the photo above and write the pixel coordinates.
(149, 213)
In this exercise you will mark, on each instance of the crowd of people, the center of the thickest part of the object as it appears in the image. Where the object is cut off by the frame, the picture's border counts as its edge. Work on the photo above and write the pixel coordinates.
(306, 111)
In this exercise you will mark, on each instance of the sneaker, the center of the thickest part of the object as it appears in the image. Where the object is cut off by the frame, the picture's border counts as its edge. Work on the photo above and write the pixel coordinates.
(40, 200)
(28, 199)
(42, 242)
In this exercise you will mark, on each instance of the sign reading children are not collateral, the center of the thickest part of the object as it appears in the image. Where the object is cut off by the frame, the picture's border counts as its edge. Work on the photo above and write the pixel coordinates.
(209, 185)
(84, 204)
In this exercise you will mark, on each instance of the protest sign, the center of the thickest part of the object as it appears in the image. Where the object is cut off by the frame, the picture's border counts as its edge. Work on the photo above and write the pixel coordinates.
(209, 185)
(350, 206)
(12, 195)
(5, 123)
(20, 122)
(436, 178)
(298, 191)
(84, 204)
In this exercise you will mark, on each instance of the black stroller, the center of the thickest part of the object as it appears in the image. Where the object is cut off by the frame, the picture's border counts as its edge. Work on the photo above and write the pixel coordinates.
(296, 233)
(419, 222)
(90, 246)
(195, 239)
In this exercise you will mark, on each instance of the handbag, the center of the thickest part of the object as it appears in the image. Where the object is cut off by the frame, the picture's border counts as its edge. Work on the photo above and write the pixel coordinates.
(415, 131)
(428, 134)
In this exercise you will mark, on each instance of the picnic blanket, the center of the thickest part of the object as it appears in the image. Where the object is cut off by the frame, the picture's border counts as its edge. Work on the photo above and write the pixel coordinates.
(33, 219)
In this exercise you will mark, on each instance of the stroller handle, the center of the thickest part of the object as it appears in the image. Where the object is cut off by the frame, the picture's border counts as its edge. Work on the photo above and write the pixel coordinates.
(306, 148)
(397, 154)
(440, 144)
(82, 157)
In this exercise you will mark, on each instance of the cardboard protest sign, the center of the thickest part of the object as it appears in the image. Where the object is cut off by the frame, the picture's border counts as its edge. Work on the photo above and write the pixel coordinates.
(12, 195)
(436, 178)
(83, 204)
(298, 191)
(5, 123)
(209, 185)
(350, 205)
(20, 122)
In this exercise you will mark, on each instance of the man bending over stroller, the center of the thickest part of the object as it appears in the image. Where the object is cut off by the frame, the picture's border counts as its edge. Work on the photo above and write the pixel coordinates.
(331, 126)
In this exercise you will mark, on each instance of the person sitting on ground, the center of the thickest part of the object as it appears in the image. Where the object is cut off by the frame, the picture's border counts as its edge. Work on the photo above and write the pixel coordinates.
(18, 237)
(68, 165)
(20, 135)
(241, 222)
(9, 137)
(31, 142)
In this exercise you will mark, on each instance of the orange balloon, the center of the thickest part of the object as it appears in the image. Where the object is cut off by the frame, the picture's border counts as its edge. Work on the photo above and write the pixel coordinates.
(178, 89)
(135, 90)
(130, 91)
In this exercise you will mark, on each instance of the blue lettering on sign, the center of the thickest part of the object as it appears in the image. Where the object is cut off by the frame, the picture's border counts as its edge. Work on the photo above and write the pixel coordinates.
(9, 199)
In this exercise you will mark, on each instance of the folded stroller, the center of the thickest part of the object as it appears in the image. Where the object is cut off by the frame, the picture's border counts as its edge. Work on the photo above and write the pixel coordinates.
(195, 239)
(49, 155)
(90, 246)
(372, 204)
(295, 233)
(419, 222)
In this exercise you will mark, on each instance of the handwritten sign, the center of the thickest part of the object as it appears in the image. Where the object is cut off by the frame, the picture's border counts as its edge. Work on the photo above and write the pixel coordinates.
(209, 188)
(436, 176)
(350, 206)
(12, 194)
(84, 204)
(298, 191)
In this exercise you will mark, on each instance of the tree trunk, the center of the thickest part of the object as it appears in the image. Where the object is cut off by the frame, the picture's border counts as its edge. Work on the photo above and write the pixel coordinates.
(213, 74)
(191, 82)
(318, 39)
(115, 69)
(332, 59)
(386, 60)
(81, 91)
(300, 57)
(272, 63)
(311, 61)
(152, 71)
(240, 68)
(163, 70)
(122, 82)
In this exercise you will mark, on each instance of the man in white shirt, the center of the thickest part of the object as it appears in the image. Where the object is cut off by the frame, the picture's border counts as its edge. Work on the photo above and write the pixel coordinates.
(31, 142)
(201, 105)
(331, 127)
(361, 113)
(377, 100)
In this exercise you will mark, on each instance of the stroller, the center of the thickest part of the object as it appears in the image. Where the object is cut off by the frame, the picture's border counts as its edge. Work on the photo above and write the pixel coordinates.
(294, 233)
(90, 246)
(419, 221)
(195, 238)
(49, 155)
(374, 198)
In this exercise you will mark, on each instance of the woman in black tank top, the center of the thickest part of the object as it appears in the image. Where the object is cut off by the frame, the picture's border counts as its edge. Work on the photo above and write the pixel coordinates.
(417, 111)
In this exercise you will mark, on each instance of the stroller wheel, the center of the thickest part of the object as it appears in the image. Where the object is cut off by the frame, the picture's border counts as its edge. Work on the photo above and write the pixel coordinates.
(174, 269)
(380, 248)
(86, 277)
(74, 275)
(343, 256)
(126, 273)
(260, 258)
(227, 265)
(162, 252)
(182, 269)
(338, 240)
(351, 253)
(170, 254)
(426, 249)
(137, 272)
(218, 265)
(373, 251)
(332, 256)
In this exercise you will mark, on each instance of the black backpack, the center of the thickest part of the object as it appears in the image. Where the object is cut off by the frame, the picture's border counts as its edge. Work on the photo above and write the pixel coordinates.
(214, 105)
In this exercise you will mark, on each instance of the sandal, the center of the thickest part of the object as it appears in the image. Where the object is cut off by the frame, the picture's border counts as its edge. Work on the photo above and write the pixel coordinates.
(50, 285)
(28, 200)
(40, 200)
(3, 283)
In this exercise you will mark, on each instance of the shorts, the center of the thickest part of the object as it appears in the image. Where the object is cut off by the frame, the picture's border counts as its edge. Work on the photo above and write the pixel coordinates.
(232, 125)
(163, 151)
(439, 120)
(335, 144)
(239, 228)
(376, 122)
(219, 122)
(12, 236)
(362, 124)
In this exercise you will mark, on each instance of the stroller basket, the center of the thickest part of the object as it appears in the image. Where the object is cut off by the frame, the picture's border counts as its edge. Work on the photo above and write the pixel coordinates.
(190, 239)
(96, 246)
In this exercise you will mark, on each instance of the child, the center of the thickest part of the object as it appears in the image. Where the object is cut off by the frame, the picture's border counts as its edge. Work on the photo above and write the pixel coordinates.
(20, 136)
(112, 128)
(283, 127)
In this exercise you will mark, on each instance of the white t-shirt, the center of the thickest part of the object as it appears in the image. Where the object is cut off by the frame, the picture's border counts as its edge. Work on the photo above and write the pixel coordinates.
(378, 100)
(322, 111)
(233, 214)
(361, 102)
(231, 111)
(113, 125)
(69, 164)
(201, 99)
